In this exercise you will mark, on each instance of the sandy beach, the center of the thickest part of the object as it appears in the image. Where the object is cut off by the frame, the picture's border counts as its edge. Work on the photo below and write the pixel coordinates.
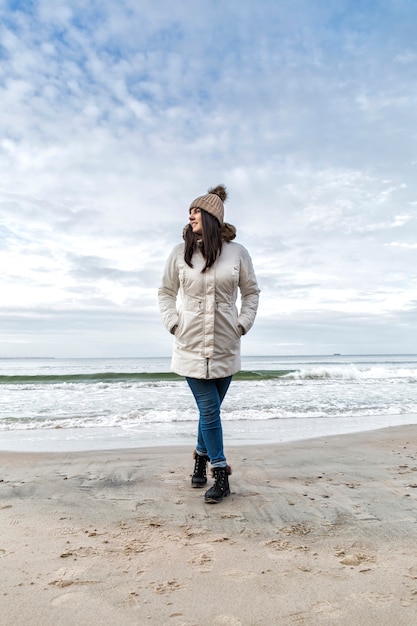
(320, 531)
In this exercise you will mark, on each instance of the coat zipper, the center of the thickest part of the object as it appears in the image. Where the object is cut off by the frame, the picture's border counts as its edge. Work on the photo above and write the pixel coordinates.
(207, 368)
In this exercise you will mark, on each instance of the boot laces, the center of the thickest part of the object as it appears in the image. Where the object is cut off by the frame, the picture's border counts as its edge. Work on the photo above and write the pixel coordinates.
(220, 481)
(200, 465)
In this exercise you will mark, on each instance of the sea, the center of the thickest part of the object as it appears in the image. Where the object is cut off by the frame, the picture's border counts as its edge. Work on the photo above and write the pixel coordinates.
(56, 404)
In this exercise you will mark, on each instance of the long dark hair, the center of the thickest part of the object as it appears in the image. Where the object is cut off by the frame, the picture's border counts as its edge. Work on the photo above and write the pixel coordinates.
(211, 240)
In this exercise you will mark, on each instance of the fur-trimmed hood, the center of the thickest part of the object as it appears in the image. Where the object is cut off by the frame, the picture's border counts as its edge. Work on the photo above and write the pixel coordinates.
(228, 231)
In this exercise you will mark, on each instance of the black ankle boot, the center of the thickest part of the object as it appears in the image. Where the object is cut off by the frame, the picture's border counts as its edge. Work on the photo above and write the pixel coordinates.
(221, 487)
(199, 477)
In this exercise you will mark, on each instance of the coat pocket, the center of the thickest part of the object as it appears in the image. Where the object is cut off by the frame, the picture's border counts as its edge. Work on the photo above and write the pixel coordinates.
(227, 324)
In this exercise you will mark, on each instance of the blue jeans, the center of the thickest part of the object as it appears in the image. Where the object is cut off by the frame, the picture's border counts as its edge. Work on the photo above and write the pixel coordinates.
(209, 395)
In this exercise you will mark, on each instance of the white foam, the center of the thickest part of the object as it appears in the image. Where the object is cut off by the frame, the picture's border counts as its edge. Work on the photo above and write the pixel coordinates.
(235, 434)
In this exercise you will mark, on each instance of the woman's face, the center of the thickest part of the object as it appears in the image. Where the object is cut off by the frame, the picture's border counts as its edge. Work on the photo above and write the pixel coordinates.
(196, 221)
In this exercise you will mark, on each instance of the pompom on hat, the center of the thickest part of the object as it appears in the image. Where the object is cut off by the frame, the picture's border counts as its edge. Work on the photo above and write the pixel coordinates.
(212, 202)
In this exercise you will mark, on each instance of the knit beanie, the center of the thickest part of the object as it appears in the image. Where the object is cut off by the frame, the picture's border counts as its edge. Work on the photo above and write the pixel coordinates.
(212, 202)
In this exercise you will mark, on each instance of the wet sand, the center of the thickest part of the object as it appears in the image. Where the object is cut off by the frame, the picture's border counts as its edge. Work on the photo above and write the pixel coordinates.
(320, 531)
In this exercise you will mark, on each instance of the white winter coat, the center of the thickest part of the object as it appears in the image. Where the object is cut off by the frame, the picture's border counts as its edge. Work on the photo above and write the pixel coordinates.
(204, 319)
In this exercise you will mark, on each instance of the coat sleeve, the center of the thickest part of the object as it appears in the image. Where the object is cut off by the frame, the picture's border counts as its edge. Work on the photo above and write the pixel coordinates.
(249, 291)
(168, 291)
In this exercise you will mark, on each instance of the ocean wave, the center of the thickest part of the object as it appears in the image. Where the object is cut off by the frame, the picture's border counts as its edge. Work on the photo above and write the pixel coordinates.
(156, 418)
(349, 372)
(352, 372)
(125, 377)
(105, 377)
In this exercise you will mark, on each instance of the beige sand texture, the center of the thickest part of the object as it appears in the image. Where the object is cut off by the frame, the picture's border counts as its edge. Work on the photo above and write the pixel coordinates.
(321, 531)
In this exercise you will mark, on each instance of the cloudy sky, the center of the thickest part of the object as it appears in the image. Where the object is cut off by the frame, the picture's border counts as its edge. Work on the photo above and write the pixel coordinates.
(115, 114)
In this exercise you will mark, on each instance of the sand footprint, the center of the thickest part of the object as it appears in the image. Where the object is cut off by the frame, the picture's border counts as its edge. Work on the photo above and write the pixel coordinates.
(324, 608)
(70, 596)
(296, 529)
(375, 598)
(278, 544)
(354, 559)
(226, 620)
(203, 560)
(168, 586)
(238, 574)
(327, 608)
(412, 572)
(172, 478)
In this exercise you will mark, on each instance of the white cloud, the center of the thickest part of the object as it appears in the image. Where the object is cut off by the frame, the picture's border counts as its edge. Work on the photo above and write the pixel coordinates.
(402, 244)
(115, 115)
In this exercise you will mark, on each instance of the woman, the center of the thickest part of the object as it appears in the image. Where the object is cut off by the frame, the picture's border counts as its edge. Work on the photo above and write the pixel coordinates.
(207, 272)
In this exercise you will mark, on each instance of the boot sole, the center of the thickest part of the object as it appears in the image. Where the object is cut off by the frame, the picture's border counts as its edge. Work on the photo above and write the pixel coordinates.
(216, 500)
